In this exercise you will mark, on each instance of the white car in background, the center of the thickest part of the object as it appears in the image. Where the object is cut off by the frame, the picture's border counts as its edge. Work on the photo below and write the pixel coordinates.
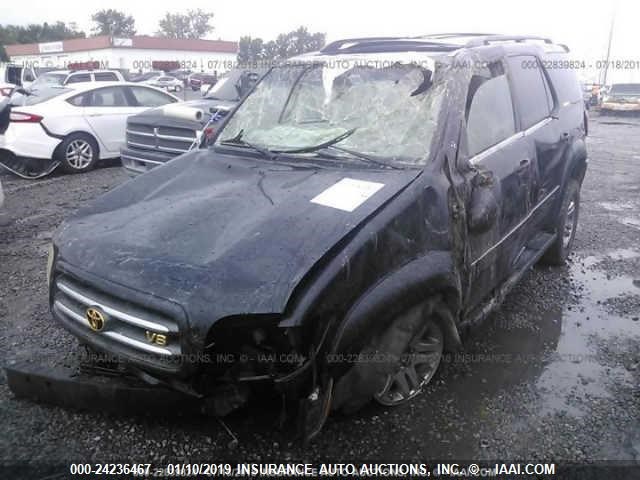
(79, 126)
(166, 82)
(12, 76)
(68, 77)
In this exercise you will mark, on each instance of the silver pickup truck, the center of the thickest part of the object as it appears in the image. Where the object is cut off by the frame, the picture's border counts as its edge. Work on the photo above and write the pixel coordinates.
(157, 135)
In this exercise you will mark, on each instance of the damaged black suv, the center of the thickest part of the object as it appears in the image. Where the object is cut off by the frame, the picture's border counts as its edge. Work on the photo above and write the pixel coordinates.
(359, 209)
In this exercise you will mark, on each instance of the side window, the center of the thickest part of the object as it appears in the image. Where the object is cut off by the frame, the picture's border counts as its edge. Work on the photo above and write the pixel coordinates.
(108, 97)
(147, 97)
(80, 77)
(489, 109)
(105, 77)
(78, 100)
(530, 90)
(565, 81)
(29, 76)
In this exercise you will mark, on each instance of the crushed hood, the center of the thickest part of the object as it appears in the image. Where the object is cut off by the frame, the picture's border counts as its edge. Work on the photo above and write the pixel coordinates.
(223, 235)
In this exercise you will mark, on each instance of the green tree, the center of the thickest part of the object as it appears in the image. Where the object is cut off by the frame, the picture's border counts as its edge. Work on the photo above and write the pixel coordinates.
(193, 24)
(284, 46)
(113, 22)
(37, 33)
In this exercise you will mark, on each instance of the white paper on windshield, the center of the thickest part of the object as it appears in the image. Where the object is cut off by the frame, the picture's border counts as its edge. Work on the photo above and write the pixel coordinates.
(348, 194)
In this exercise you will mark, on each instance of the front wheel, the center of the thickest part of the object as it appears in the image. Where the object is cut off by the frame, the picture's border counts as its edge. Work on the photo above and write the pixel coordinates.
(396, 364)
(566, 226)
(417, 365)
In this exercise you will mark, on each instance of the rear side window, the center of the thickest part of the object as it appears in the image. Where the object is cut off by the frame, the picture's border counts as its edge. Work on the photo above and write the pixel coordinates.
(78, 100)
(531, 94)
(105, 77)
(108, 97)
(489, 110)
(147, 97)
(80, 77)
(564, 80)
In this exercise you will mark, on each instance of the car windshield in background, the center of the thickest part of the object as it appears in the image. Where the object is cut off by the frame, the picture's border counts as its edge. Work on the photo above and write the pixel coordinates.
(42, 95)
(49, 79)
(347, 109)
(224, 89)
(632, 89)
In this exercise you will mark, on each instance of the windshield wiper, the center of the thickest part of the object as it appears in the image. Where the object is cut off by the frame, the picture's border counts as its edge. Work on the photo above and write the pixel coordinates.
(238, 141)
(362, 157)
(322, 145)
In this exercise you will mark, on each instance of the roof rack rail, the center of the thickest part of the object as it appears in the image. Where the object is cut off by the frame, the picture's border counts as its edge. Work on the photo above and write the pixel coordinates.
(386, 44)
(453, 35)
(488, 39)
(334, 47)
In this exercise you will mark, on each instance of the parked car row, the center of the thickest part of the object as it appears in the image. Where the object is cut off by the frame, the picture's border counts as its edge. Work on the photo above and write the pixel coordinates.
(76, 127)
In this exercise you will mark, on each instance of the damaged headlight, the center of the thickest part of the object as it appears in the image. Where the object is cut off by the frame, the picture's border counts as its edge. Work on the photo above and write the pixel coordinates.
(50, 259)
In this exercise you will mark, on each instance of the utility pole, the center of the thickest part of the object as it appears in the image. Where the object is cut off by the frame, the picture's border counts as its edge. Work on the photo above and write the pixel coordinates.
(606, 66)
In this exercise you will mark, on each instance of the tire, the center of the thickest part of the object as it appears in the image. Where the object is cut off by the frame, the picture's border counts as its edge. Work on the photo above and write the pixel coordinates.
(396, 365)
(78, 153)
(566, 226)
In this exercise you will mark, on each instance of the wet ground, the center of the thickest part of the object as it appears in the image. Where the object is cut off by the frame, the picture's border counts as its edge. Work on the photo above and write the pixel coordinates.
(552, 376)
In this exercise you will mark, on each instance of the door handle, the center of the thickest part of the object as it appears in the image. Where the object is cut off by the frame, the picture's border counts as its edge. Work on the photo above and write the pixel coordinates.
(524, 163)
(565, 136)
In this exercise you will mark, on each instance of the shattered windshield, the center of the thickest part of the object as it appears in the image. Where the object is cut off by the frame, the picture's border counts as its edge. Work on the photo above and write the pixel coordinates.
(348, 108)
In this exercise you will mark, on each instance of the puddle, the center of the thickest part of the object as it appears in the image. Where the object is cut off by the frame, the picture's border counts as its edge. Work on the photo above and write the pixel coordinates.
(617, 206)
(631, 222)
(575, 371)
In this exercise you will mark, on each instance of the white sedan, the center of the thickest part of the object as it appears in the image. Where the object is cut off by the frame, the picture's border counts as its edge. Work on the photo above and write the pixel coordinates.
(166, 82)
(79, 126)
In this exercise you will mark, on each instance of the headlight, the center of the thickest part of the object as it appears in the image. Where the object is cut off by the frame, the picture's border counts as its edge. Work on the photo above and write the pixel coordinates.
(51, 257)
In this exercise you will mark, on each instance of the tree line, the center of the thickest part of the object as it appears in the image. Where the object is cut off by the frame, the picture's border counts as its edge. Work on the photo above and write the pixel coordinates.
(192, 24)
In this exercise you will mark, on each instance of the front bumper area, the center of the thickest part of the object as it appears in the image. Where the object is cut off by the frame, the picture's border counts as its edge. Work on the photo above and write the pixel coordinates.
(141, 161)
(139, 330)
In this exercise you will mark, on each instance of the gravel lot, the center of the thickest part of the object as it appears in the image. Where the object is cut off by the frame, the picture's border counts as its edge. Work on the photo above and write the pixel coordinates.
(552, 376)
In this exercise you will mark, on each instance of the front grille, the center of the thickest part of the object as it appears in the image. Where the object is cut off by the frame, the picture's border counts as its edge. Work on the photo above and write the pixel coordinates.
(133, 330)
(172, 140)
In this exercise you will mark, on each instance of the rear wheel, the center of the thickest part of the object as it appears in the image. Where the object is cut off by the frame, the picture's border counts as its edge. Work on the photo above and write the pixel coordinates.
(566, 226)
(78, 152)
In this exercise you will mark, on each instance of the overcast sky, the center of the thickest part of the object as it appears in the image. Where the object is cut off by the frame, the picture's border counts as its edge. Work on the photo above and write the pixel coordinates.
(583, 25)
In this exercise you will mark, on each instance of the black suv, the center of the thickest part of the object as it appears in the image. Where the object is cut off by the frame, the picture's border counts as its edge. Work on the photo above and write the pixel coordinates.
(359, 209)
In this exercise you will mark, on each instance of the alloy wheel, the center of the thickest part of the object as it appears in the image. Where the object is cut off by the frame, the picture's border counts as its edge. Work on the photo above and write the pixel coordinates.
(416, 367)
(79, 154)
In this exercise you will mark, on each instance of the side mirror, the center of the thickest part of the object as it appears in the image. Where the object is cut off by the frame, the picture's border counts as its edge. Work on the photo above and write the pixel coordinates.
(483, 209)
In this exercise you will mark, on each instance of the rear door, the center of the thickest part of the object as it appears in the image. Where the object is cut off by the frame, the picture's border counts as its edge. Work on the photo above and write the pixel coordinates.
(106, 110)
(546, 137)
(499, 202)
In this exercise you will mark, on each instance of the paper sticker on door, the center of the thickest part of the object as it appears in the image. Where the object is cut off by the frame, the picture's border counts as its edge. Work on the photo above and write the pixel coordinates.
(348, 194)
